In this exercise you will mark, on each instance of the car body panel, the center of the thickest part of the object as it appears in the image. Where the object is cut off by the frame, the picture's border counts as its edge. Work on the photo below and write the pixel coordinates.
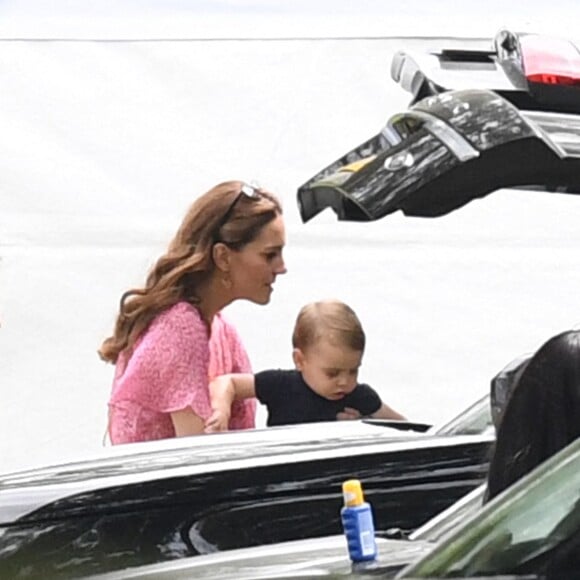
(300, 559)
(154, 502)
(530, 531)
(316, 557)
(165, 459)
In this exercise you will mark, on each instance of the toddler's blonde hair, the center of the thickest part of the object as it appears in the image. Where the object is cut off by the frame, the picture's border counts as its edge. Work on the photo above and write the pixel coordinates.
(332, 320)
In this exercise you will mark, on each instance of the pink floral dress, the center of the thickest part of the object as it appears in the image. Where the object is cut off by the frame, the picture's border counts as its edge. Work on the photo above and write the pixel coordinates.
(169, 370)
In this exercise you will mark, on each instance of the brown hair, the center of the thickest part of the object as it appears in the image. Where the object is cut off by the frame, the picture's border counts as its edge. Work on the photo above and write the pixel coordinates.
(329, 319)
(188, 260)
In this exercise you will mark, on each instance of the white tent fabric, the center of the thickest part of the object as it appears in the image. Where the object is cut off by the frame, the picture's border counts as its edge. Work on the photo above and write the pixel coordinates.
(211, 19)
(110, 126)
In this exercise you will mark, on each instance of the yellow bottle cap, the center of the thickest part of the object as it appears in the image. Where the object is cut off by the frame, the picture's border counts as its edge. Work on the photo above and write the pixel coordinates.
(352, 492)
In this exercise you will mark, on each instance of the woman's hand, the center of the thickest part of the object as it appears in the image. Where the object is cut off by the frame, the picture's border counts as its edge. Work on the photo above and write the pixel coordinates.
(223, 391)
(348, 414)
(222, 395)
(217, 422)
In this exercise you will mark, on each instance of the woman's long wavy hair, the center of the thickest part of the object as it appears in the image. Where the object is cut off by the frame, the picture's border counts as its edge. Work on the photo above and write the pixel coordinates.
(222, 214)
(542, 414)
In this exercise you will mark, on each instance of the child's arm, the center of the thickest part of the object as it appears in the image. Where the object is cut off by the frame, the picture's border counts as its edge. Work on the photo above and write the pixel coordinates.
(385, 412)
(363, 400)
(223, 391)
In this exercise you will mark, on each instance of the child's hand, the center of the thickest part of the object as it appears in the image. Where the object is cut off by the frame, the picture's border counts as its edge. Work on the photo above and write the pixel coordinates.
(348, 414)
(218, 421)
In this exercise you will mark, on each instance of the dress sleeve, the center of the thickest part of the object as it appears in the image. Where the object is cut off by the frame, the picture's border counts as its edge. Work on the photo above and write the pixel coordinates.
(240, 359)
(228, 355)
(365, 400)
(168, 371)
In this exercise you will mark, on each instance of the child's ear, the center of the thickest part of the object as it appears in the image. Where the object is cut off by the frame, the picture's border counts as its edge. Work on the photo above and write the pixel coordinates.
(298, 358)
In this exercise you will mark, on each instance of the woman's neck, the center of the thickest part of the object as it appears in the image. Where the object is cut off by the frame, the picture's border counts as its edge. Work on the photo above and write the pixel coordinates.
(213, 297)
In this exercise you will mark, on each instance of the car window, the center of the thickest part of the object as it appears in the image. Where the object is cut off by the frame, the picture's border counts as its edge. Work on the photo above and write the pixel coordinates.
(405, 125)
(450, 518)
(474, 420)
(531, 518)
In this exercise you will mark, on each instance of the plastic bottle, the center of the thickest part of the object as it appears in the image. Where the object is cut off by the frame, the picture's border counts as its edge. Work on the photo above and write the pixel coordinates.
(357, 521)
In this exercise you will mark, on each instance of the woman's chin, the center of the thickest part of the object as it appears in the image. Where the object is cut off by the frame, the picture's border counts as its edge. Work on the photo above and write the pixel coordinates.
(261, 300)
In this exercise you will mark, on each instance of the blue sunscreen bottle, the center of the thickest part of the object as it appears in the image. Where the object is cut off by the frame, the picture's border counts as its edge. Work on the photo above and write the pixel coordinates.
(357, 522)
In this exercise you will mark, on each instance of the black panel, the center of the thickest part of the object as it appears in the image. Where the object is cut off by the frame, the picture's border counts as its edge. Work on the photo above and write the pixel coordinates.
(168, 519)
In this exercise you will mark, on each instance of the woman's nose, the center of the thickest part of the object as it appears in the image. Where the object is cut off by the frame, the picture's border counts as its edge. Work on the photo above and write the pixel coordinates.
(281, 269)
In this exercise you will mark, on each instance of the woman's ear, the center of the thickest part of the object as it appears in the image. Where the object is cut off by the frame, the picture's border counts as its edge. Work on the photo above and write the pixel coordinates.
(298, 358)
(221, 257)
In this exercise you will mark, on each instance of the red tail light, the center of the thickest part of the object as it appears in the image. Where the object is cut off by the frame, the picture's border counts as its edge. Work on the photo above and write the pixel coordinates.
(550, 61)
(548, 79)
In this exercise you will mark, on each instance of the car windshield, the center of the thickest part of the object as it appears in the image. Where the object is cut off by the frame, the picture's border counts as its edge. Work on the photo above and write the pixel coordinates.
(530, 519)
(474, 420)
(450, 518)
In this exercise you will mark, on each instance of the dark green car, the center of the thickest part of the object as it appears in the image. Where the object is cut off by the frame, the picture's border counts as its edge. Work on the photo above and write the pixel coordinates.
(530, 530)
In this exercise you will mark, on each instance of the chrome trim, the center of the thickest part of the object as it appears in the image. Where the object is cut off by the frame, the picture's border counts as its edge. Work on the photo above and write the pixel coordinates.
(453, 140)
(406, 72)
(560, 131)
(391, 134)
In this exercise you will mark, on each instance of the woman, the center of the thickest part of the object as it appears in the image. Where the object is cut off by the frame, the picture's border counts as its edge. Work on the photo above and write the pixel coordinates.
(542, 414)
(170, 338)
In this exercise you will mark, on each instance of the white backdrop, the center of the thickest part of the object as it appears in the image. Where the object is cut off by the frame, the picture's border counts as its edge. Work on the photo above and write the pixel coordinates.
(109, 128)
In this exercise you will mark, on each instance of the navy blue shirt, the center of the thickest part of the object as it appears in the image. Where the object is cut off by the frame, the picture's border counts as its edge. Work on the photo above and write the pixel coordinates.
(290, 400)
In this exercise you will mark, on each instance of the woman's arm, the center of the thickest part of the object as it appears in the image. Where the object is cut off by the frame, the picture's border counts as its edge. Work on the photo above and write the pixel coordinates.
(186, 422)
(385, 412)
(223, 391)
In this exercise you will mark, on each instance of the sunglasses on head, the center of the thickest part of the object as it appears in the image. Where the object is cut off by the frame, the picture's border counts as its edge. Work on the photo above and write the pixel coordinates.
(246, 190)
